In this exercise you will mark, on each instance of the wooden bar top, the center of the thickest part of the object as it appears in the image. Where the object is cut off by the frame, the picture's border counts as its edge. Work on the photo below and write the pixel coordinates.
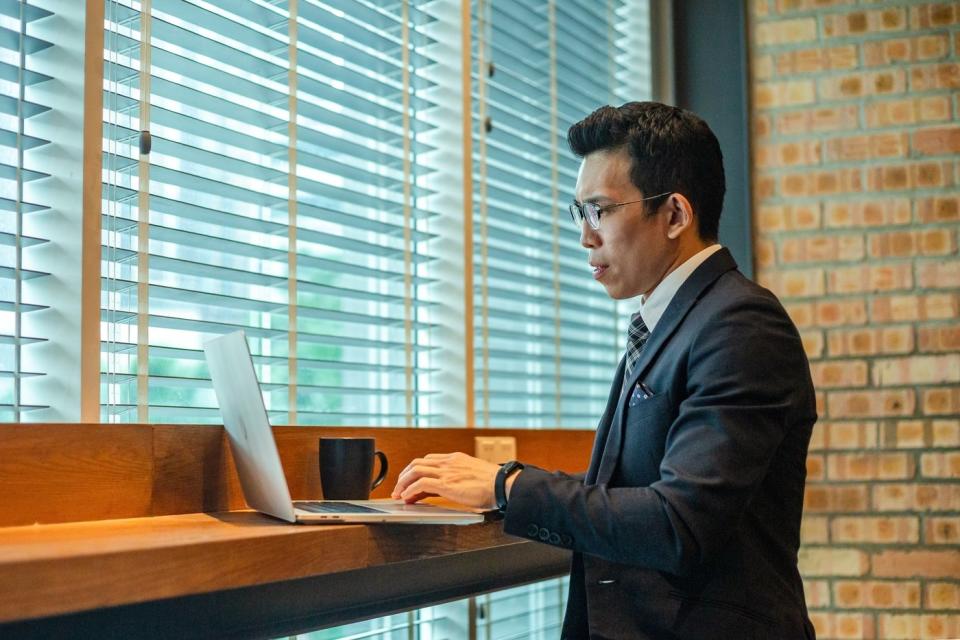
(54, 569)
(104, 527)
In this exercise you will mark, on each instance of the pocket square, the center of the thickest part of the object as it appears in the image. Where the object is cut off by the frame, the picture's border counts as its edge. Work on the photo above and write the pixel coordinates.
(640, 393)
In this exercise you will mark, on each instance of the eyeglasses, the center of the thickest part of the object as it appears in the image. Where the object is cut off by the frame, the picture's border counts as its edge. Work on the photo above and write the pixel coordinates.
(591, 210)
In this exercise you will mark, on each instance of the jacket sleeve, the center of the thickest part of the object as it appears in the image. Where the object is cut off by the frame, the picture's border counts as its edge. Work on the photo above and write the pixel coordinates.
(747, 378)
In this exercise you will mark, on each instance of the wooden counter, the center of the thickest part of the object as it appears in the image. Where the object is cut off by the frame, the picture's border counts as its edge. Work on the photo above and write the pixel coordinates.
(242, 574)
(137, 534)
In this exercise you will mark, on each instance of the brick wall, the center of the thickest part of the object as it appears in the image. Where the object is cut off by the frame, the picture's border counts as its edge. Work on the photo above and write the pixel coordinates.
(856, 141)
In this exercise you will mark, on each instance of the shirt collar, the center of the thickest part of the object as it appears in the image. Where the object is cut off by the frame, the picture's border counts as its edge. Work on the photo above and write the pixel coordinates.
(652, 308)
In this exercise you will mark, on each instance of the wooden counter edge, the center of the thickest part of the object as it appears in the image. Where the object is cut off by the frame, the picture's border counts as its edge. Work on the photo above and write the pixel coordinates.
(48, 570)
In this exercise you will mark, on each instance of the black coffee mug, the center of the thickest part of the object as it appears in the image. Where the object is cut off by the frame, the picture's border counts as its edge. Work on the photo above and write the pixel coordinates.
(346, 466)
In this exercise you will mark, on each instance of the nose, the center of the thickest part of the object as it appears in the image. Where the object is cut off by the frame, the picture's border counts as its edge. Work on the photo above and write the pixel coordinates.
(589, 237)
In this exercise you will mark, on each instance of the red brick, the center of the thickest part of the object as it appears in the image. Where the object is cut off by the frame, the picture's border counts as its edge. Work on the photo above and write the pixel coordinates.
(834, 313)
(942, 595)
(787, 6)
(916, 564)
(903, 434)
(815, 468)
(865, 404)
(938, 338)
(787, 154)
(900, 50)
(939, 209)
(940, 465)
(785, 31)
(945, 433)
(768, 95)
(812, 343)
(943, 530)
(906, 244)
(836, 498)
(938, 141)
(861, 85)
(816, 60)
(839, 374)
(915, 497)
(870, 466)
(943, 274)
(813, 183)
(862, 342)
(814, 530)
(821, 119)
(935, 76)
(921, 434)
(816, 593)
(799, 283)
(938, 14)
(866, 147)
(868, 213)
(903, 308)
(941, 401)
(832, 562)
(915, 370)
(910, 626)
(788, 217)
(831, 248)
(846, 435)
(860, 22)
(762, 125)
(889, 530)
(915, 175)
(761, 67)
(876, 594)
(843, 626)
(907, 111)
(870, 278)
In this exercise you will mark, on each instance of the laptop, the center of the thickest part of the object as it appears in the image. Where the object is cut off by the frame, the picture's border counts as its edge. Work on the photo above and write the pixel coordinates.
(258, 462)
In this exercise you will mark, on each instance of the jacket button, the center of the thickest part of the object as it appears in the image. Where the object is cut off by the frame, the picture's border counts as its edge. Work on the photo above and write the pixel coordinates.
(554, 538)
(566, 540)
(544, 534)
(532, 531)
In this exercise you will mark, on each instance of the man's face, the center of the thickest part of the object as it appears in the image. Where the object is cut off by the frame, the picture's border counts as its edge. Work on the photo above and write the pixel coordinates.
(631, 252)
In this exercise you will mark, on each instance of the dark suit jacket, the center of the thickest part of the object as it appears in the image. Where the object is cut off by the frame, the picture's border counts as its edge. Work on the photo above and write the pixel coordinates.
(687, 523)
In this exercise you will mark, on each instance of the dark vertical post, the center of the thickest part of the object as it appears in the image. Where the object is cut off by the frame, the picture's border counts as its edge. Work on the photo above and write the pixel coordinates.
(710, 78)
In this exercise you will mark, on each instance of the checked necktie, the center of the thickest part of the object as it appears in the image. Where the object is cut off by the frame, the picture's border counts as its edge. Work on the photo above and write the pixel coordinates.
(637, 336)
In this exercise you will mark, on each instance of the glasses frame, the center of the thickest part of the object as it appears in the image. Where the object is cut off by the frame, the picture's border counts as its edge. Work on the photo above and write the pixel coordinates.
(591, 211)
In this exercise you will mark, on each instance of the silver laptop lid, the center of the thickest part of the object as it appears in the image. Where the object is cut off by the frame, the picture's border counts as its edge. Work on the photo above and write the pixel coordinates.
(248, 428)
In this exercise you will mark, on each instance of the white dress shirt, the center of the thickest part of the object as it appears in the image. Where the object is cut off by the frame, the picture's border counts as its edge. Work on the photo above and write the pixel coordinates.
(652, 308)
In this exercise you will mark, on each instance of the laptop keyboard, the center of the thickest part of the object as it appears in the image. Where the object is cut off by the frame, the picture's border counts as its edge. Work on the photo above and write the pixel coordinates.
(334, 507)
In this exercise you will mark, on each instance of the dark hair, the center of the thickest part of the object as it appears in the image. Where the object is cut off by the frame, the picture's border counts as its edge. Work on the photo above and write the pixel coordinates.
(672, 150)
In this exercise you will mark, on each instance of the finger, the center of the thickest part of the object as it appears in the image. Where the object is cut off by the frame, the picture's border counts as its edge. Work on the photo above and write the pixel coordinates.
(419, 497)
(419, 461)
(422, 486)
(412, 474)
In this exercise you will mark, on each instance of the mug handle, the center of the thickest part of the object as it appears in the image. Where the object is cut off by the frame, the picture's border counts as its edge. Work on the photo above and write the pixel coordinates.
(383, 469)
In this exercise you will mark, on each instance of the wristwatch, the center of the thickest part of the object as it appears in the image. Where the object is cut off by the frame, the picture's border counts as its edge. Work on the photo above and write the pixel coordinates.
(500, 486)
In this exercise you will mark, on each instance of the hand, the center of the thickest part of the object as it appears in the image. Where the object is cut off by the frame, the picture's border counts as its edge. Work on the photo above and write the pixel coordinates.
(454, 476)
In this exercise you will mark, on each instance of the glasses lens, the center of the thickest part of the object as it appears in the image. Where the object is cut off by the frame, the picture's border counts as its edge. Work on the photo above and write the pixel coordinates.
(591, 211)
(576, 213)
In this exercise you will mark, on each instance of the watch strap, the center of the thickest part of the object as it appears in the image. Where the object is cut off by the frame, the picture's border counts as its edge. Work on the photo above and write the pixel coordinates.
(500, 484)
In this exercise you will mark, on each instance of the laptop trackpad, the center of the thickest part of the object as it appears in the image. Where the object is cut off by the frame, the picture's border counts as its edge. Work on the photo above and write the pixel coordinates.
(333, 506)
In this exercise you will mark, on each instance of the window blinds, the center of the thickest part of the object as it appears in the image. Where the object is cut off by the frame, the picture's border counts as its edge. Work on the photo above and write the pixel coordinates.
(19, 197)
(281, 197)
(547, 335)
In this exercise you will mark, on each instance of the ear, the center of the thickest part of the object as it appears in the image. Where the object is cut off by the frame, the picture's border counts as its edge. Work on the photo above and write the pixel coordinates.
(680, 215)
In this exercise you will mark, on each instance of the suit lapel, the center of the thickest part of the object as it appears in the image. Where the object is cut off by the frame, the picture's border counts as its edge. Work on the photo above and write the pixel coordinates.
(683, 301)
(603, 428)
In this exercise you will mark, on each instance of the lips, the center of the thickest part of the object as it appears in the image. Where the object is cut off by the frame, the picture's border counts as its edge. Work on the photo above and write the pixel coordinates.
(598, 270)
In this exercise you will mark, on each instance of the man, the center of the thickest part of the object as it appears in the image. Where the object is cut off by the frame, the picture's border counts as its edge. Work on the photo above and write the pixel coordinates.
(686, 524)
